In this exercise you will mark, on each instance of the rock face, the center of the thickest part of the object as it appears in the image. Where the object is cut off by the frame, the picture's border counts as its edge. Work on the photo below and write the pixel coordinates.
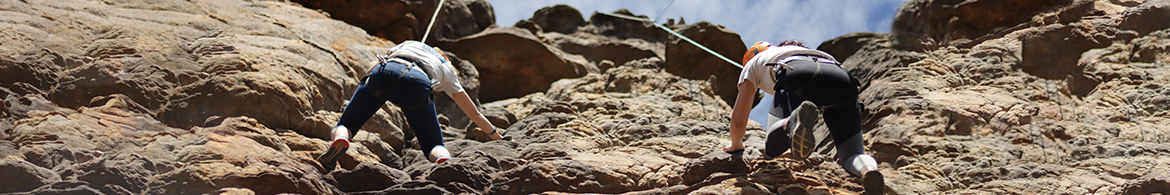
(558, 43)
(401, 20)
(958, 20)
(1067, 99)
(561, 18)
(225, 96)
(689, 61)
(167, 97)
(508, 53)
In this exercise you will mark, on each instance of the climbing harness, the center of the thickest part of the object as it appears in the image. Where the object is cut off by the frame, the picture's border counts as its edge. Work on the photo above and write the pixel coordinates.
(816, 61)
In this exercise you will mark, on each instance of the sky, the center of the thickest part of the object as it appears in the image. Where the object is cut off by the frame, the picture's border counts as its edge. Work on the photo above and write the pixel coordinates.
(812, 21)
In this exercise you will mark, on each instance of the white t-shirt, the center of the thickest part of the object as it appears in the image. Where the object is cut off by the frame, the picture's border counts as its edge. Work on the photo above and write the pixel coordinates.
(443, 75)
(764, 76)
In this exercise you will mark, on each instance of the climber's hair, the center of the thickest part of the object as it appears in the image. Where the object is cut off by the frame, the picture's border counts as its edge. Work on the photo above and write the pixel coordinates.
(792, 42)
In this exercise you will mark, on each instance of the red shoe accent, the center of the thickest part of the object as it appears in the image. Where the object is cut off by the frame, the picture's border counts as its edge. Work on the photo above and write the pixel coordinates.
(442, 159)
(343, 142)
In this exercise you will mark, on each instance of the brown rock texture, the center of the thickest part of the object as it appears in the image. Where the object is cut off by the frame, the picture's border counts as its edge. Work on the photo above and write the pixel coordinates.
(1037, 98)
(401, 20)
(234, 97)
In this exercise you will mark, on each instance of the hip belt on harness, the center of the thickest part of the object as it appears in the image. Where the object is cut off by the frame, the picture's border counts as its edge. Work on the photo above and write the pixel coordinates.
(411, 64)
(816, 61)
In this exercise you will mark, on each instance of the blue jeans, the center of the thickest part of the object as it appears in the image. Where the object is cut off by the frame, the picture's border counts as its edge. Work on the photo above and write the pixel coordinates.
(408, 88)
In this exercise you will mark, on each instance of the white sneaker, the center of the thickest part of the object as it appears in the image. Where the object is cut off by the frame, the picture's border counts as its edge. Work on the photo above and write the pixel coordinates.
(439, 154)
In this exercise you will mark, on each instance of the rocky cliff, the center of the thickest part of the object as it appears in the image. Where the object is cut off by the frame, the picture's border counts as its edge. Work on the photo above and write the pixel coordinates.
(1018, 97)
(234, 97)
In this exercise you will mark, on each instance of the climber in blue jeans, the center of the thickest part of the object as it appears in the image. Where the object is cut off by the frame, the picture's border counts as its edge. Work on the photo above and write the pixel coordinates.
(804, 83)
(406, 77)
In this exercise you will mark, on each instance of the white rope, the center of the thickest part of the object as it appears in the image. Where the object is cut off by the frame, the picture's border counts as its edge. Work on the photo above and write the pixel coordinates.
(733, 63)
(433, 16)
(671, 31)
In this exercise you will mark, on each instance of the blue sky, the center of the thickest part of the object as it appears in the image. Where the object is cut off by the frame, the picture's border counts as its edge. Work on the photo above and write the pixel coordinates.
(812, 21)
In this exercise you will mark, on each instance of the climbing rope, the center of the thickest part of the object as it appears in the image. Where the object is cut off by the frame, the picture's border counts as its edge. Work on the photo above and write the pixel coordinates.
(671, 31)
(647, 20)
(433, 16)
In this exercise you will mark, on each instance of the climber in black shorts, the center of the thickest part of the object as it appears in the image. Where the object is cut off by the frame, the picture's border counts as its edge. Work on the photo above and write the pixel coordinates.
(804, 82)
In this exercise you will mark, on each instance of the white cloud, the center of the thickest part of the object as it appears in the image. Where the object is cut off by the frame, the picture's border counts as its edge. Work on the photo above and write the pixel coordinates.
(812, 21)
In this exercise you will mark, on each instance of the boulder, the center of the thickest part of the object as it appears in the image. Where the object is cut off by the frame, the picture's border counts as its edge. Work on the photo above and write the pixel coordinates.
(1146, 18)
(241, 153)
(526, 57)
(167, 62)
(844, 46)
(129, 172)
(691, 62)
(457, 18)
(22, 176)
(60, 138)
(1045, 53)
(402, 20)
(700, 168)
(944, 21)
(473, 176)
(1157, 182)
(367, 177)
(559, 18)
(621, 28)
(601, 50)
(208, 178)
(412, 188)
(76, 187)
(559, 175)
(38, 68)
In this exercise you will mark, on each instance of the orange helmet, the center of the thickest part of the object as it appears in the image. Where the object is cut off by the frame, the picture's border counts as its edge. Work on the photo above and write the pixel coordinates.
(755, 49)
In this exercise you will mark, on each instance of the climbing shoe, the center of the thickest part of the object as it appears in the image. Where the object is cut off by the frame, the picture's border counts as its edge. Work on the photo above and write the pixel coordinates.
(801, 124)
(439, 154)
(329, 158)
(873, 181)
